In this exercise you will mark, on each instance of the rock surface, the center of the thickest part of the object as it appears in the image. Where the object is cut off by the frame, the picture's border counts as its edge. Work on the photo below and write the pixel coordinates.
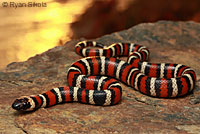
(176, 42)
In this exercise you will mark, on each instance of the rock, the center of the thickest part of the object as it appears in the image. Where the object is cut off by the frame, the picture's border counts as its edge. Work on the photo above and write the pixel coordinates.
(176, 42)
(107, 16)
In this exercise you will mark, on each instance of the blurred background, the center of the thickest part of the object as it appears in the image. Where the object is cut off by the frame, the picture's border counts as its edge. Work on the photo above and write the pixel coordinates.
(27, 31)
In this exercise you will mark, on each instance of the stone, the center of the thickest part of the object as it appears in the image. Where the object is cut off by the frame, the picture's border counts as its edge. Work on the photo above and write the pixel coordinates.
(169, 42)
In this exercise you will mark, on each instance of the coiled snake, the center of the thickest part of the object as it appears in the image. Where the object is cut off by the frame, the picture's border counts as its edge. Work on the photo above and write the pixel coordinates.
(92, 80)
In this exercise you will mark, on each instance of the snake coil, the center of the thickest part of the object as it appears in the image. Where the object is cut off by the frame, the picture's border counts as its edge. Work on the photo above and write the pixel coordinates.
(94, 79)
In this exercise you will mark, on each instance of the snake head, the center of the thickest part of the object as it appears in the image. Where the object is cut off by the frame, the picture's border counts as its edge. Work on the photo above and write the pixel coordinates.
(21, 104)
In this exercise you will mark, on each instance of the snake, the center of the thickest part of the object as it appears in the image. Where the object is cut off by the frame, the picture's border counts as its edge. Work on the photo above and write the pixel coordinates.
(95, 78)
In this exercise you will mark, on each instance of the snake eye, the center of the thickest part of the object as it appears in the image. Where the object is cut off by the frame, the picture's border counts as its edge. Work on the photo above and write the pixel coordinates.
(21, 104)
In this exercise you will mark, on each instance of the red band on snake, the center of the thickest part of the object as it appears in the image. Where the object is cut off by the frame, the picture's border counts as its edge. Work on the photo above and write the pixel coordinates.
(95, 79)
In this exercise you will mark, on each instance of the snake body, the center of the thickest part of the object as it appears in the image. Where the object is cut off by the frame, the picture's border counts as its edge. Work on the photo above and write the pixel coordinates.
(94, 79)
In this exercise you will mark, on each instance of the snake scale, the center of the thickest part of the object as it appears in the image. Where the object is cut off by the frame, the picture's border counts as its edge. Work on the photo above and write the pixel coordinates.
(94, 79)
